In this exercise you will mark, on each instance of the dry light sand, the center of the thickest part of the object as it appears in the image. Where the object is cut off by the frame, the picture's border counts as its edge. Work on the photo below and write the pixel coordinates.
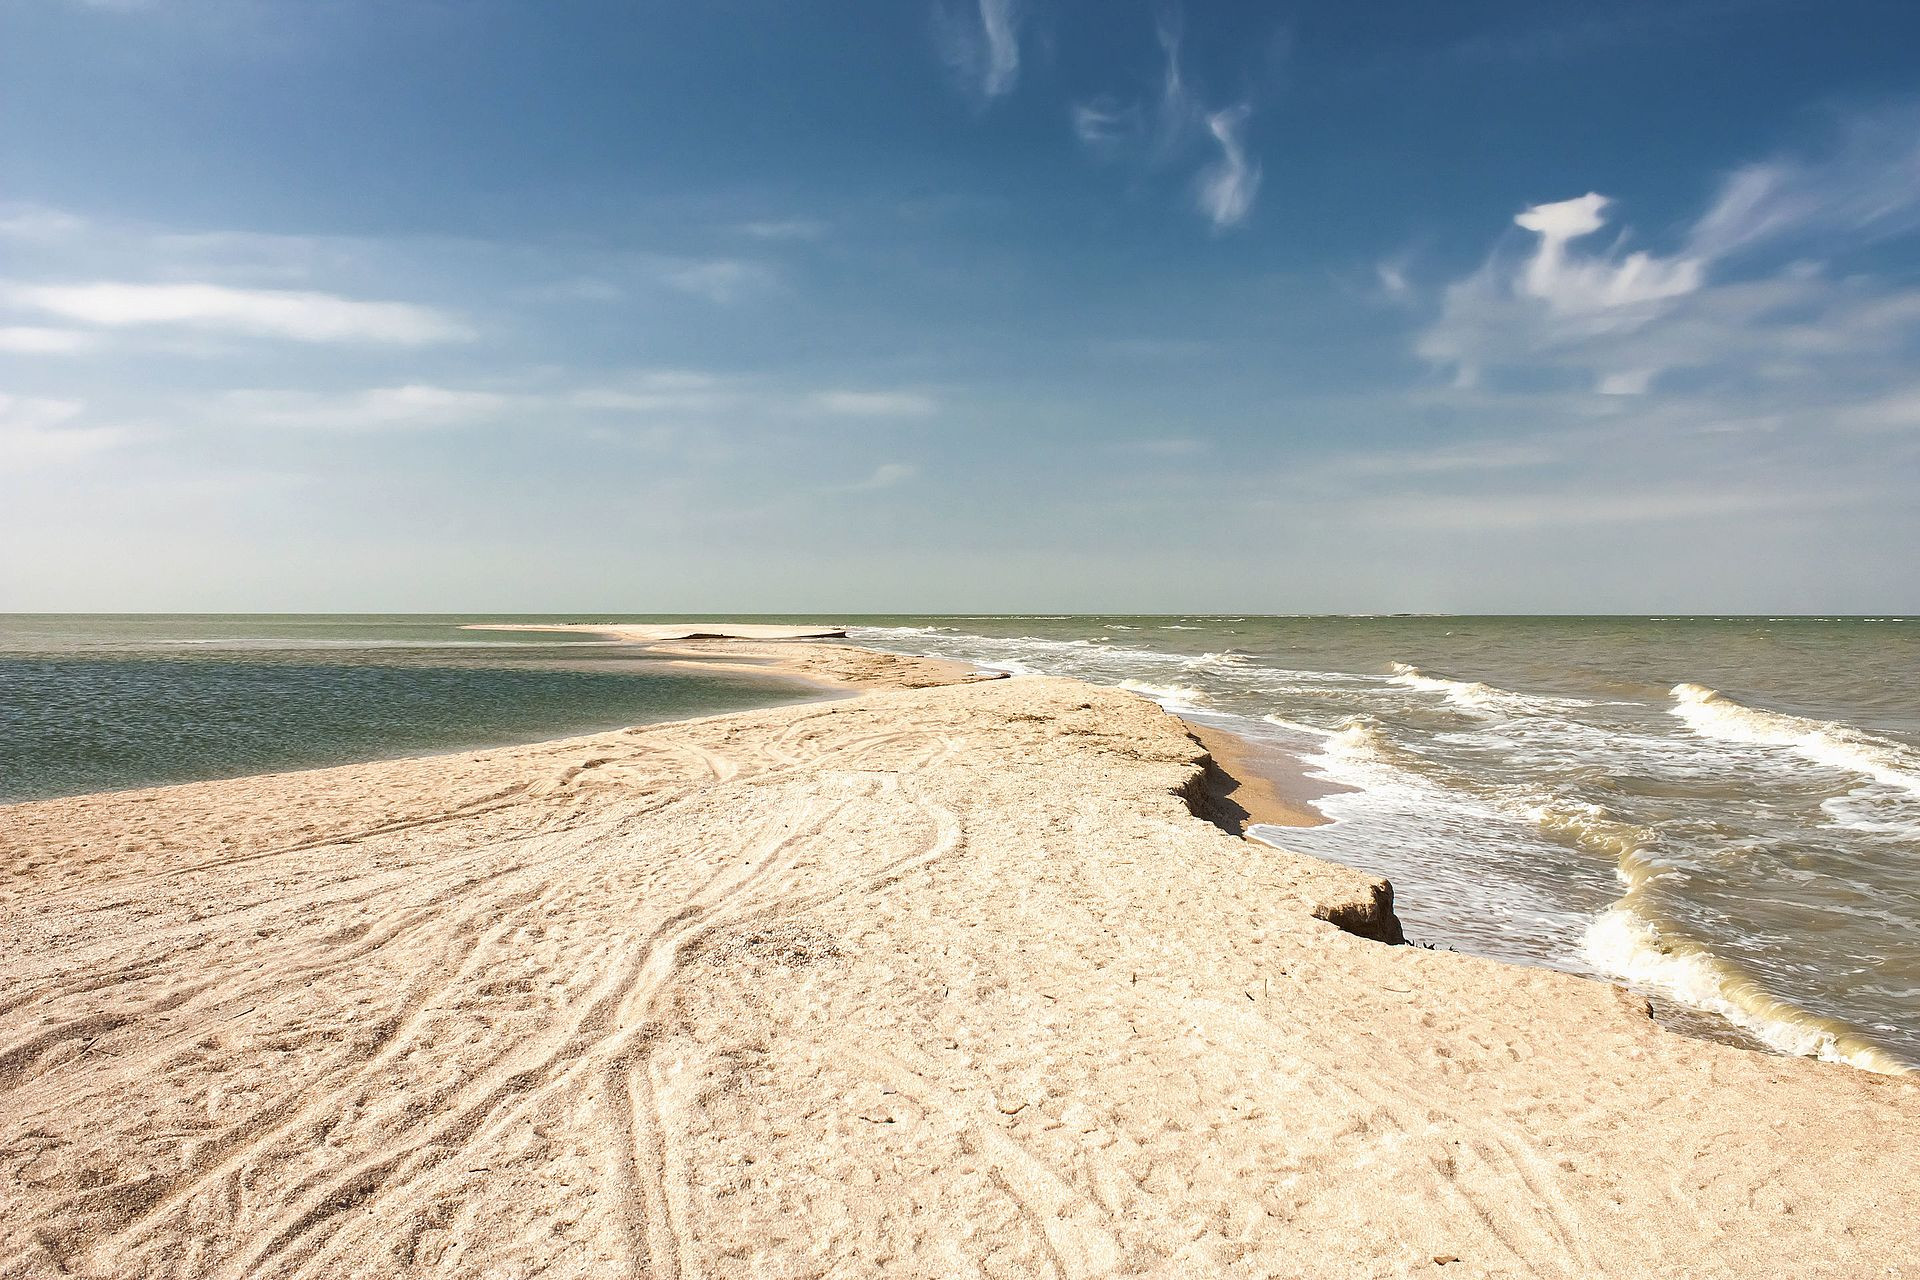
(930, 982)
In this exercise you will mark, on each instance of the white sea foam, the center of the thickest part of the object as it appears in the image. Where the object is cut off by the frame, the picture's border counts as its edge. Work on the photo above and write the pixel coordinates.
(1712, 714)
(1473, 695)
(1207, 660)
(1620, 942)
(1174, 697)
(1298, 727)
(1358, 739)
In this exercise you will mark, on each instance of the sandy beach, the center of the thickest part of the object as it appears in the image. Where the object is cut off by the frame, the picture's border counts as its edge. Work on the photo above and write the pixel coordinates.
(954, 977)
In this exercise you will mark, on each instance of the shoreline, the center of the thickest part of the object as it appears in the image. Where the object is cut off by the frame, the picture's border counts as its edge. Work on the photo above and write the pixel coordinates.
(1266, 783)
(942, 972)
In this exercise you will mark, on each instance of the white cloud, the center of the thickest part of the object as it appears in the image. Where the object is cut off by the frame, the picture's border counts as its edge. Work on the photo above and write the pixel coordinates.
(1865, 187)
(1172, 130)
(785, 229)
(1626, 382)
(1618, 320)
(278, 313)
(1392, 276)
(1228, 186)
(886, 476)
(1592, 285)
(37, 222)
(36, 341)
(719, 280)
(983, 47)
(1104, 125)
(1622, 321)
(1165, 446)
(1581, 506)
(37, 432)
(1176, 114)
(875, 404)
(660, 399)
(1896, 411)
(376, 409)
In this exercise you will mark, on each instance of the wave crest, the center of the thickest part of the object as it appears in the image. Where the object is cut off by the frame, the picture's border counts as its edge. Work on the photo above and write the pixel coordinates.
(1623, 943)
(1170, 696)
(1712, 714)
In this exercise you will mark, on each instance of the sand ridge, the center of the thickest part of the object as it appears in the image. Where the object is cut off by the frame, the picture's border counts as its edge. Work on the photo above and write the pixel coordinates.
(938, 981)
(784, 652)
(639, 633)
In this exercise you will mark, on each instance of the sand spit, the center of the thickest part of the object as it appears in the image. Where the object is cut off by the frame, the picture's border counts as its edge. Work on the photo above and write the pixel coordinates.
(930, 982)
(688, 631)
(772, 650)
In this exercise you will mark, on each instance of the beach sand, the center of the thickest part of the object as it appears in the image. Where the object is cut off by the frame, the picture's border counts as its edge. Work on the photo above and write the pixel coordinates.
(938, 981)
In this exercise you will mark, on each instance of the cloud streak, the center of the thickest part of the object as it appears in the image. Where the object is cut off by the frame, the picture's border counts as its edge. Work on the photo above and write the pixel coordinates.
(1170, 130)
(1228, 186)
(415, 405)
(875, 404)
(35, 340)
(982, 46)
(267, 313)
(887, 475)
(1865, 188)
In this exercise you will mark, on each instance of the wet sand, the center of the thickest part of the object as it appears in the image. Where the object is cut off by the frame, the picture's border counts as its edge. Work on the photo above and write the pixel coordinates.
(1267, 783)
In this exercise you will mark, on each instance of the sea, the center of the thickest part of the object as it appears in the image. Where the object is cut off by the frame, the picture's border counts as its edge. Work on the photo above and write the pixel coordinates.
(1721, 812)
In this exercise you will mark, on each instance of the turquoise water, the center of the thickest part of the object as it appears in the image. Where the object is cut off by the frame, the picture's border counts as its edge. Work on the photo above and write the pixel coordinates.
(103, 703)
(1722, 811)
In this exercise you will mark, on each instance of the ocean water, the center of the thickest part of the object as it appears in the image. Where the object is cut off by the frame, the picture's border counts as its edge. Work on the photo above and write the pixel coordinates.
(93, 703)
(1724, 812)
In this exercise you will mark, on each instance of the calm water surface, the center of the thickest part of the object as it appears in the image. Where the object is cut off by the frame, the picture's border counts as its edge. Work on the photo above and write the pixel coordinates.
(97, 703)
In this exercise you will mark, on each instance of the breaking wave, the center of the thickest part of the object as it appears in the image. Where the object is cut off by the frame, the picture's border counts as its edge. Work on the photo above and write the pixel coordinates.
(1624, 943)
(1473, 695)
(1712, 714)
(1171, 696)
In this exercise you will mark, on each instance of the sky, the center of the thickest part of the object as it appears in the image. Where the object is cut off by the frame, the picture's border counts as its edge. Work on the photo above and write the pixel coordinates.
(959, 306)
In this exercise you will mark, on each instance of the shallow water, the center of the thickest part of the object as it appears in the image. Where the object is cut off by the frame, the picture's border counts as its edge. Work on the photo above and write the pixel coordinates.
(1724, 811)
(102, 703)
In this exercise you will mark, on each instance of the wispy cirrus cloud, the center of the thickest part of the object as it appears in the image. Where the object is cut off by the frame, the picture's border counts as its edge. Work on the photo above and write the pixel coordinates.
(300, 315)
(778, 229)
(721, 281)
(981, 44)
(875, 404)
(1105, 125)
(1227, 187)
(38, 340)
(887, 475)
(648, 397)
(415, 405)
(1864, 188)
(1170, 130)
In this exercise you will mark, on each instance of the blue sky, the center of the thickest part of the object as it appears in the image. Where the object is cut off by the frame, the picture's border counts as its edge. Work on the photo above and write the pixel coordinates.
(772, 306)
